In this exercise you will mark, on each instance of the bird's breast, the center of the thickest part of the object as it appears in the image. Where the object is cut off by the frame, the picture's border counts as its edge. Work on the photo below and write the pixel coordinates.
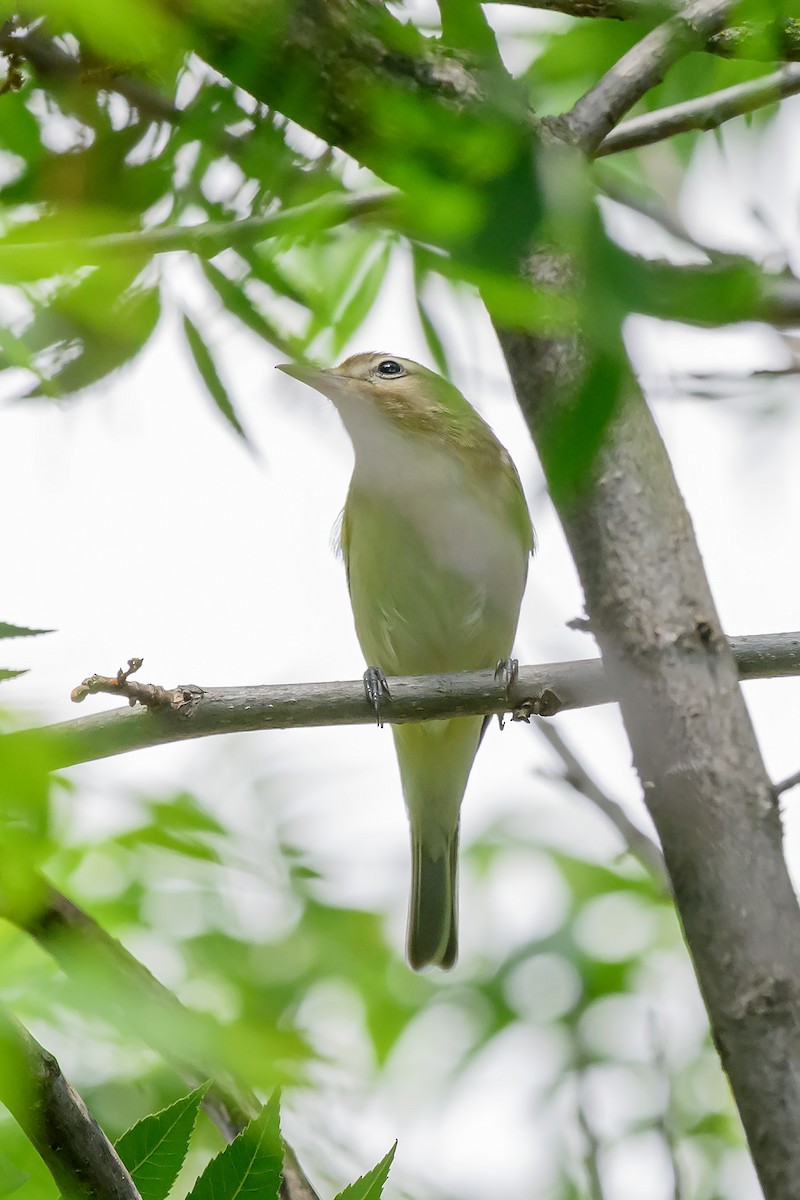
(436, 567)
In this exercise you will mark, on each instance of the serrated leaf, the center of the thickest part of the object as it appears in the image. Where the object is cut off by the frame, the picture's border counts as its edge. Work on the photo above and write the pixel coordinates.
(8, 674)
(210, 375)
(154, 1149)
(370, 1186)
(250, 1167)
(13, 631)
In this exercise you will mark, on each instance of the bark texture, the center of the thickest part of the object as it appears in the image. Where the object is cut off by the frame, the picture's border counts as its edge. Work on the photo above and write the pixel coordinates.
(694, 748)
(73, 1147)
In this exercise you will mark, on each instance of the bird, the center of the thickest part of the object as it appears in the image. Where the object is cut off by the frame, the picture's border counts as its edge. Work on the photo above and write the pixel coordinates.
(436, 537)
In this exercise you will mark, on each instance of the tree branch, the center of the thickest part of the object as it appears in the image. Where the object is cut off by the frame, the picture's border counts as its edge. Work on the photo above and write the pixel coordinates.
(126, 990)
(694, 748)
(543, 690)
(56, 66)
(209, 237)
(760, 41)
(593, 117)
(787, 784)
(707, 112)
(73, 1147)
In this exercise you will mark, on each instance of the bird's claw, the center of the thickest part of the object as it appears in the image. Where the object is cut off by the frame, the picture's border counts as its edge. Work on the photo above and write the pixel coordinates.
(506, 671)
(376, 689)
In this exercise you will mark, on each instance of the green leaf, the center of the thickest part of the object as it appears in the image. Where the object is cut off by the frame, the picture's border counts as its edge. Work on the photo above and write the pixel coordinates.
(237, 302)
(465, 26)
(166, 839)
(210, 375)
(250, 1167)
(361, 295)
(432, 339)
(11, 1177)
(264, 266)
(14, 631)
(154, 1149)
(575, 433)
(25, 821)
(370, 1186)
(5, 673)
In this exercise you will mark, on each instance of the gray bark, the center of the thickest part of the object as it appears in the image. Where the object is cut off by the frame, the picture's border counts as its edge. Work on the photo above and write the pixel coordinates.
(694, 749)
(543, 690)
(73, 1147)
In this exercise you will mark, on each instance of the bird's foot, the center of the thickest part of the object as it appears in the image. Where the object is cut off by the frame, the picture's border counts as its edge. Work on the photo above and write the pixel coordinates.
(376, 689)
(506, 672)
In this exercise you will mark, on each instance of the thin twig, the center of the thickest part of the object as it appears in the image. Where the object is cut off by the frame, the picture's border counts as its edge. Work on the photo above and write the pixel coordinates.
(664, 1120)
(71, 1144)
(786, 784)
(653, 207)
(540, 691)
(776, 40)
(593, 117)
(615, 10)
(579, 779)
(208, 238)
(581, 1062)
(707, 112)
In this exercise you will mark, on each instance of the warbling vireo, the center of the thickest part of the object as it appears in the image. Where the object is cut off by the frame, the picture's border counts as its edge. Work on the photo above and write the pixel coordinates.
(435, 537)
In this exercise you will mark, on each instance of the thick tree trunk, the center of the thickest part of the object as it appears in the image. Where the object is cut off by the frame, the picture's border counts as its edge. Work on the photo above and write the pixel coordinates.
(704, 782)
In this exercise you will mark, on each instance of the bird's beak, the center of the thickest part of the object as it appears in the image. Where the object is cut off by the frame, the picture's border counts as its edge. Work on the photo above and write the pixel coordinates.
(313, 376)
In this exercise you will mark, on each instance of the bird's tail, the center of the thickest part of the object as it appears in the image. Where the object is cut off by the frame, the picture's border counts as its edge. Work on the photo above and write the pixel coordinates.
(435, 760)
(432, 914)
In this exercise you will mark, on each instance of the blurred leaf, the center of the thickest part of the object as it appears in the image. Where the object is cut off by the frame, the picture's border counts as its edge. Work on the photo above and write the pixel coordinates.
(132, 31)
(183, 811)
(83, 328)
(465, 26)
(11, 1177)
(511, 301)
(575, 431)
(210, 375)
(250, 1167)
(155, 1148)
(137, 313)
(6, 673)
(370, 1186)
(573, 59)
(432, 339)
(458, 168)
(265, 266)
(165, 839)
(360, 296)
(46, 245)
(715, 295)
(24, 821)
(237, 302)
(15, 631)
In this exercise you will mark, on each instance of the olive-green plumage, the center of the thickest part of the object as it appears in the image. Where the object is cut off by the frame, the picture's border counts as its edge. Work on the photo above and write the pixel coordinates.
(436, 537)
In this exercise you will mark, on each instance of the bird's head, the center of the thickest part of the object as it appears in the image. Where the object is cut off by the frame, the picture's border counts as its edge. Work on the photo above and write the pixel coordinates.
(403, 390)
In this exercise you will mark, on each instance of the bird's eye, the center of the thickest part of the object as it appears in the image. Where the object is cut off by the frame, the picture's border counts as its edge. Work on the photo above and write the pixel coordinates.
(389, 367)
